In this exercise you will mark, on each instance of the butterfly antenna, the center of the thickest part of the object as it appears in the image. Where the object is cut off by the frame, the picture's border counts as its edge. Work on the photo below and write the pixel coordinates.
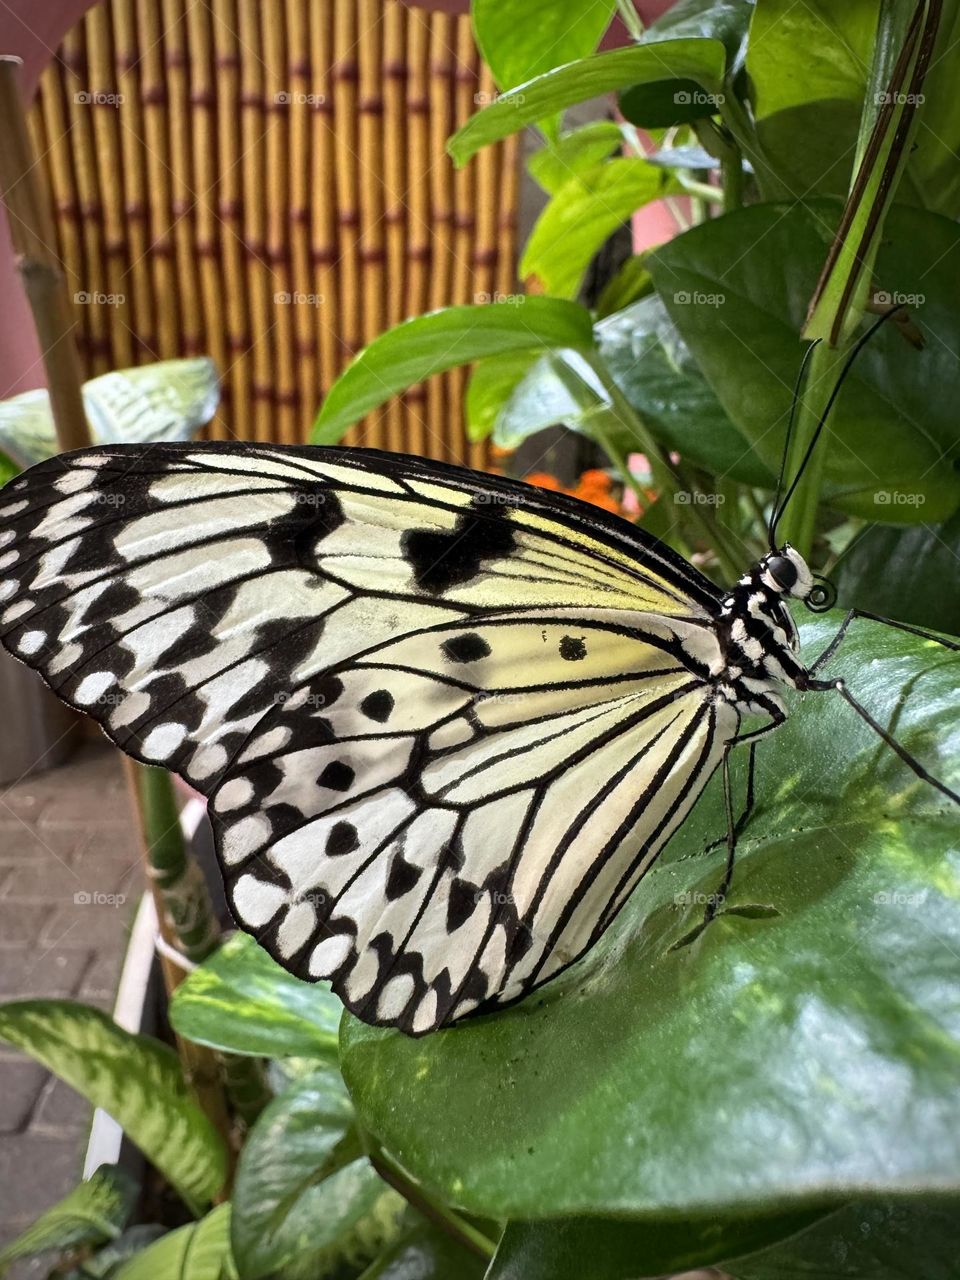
(838, 386)
(786, 444)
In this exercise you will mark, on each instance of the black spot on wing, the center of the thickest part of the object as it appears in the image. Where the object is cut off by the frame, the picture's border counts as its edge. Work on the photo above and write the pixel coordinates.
(342, 839)
(337, 776)
(402, 877)
(378, 705)
(450, 558)
(469, 647)
(461, 903)
(573, 648)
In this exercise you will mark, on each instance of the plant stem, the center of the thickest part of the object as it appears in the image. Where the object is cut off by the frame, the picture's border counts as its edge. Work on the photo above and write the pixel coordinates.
(799, 518)
(701, 190)
(434, 1210)
(630, 18)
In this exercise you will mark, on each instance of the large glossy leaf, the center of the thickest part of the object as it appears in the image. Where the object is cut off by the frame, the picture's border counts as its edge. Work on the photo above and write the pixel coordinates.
(170, 400)
(133, 1077)
(428, 344)
(104, 1264)
(583, 214)
(737, 289)
(518, 42)
(701, 61)
(893, 1240)
(199, 1251)
(91, 1213)
(910, 574)
(242, 1001)
(612, 1249)
(657, 373)
(301, 1181)
(800, 1053)
(808, 66)
(425, 1253)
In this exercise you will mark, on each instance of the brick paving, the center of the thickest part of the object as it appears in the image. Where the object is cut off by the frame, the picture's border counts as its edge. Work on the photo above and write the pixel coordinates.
(70, 878)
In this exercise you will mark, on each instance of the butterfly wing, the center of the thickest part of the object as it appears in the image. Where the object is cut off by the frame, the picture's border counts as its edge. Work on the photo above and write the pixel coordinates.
(445, 722)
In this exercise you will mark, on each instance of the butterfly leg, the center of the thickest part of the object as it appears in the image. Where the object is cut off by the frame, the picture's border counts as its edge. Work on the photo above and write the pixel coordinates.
(840, 686)
(748, 801)
(835, 643)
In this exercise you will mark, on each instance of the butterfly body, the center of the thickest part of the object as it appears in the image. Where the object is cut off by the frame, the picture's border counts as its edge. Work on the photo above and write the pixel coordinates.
(446, 722)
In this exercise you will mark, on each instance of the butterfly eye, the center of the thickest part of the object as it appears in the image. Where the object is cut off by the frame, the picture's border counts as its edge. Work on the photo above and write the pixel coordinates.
(783, 571)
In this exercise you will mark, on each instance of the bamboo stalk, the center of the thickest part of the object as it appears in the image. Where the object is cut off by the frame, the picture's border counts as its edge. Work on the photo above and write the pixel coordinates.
(420, 251)
(323, 233)
(394, 74)
(279, 105)
(136, 278)
(258, 286)
(345, 75)
(32, 234)
(305, 101)
(234, 304)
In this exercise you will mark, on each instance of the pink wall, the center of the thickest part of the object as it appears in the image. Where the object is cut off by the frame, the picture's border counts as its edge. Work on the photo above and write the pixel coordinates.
(33, 31)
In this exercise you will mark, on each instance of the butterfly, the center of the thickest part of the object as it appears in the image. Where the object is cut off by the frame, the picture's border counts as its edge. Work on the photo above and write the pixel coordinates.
(446, 722)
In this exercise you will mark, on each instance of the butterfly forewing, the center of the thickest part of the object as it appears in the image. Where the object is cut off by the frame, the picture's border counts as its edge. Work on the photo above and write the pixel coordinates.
(445, 722)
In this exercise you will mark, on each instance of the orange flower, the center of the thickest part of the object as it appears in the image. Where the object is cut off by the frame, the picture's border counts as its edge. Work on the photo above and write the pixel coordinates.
(595, 478)
(543, 480)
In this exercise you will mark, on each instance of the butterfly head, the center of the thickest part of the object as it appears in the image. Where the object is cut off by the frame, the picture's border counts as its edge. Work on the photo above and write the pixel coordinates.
(786, 572)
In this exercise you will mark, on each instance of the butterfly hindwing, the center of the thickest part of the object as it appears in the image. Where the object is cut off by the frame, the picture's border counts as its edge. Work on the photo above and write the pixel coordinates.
(445, 722)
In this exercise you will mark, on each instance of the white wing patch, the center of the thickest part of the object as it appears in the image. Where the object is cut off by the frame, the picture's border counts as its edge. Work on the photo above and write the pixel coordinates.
(445, 722)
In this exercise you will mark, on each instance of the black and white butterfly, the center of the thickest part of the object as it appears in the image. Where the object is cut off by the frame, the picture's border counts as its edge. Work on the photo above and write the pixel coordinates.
(446, 722)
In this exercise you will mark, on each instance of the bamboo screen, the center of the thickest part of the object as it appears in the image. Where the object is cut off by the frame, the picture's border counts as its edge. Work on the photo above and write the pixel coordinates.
(267, 183)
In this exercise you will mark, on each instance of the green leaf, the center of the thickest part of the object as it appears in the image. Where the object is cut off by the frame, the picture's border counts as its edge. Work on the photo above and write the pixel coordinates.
(793, 1056)
(610, 1249)
(199, 1251)
(808, 67)
(170, 400)
(491, 384)
(242, 1001)
(932, 165)
(698, 60)
(581, 149)
(583, 214)
(736, 288)
(94, 1211)
(679, 101)
(657, 373)
(426, 1253)
(518, 42)
(559, 389)
(428, 344)
(893, 1240)
(908, 574)
(133, 1077)
(300, 1184)
(8, 468)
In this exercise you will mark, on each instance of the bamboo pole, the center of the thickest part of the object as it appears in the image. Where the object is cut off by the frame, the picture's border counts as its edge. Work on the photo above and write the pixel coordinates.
(32, 234)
